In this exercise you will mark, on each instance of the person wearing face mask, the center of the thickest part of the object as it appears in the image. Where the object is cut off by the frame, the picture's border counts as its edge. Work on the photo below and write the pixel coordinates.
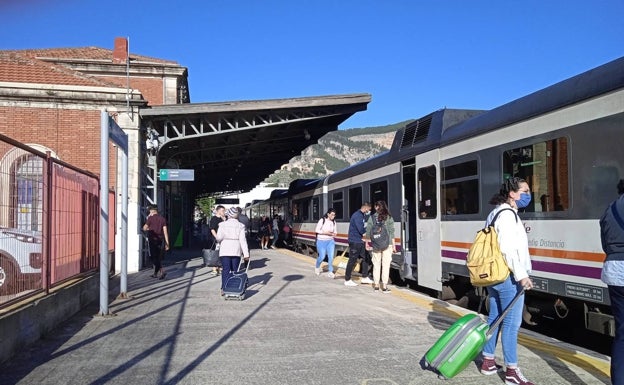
(514, 194)
(357, 247)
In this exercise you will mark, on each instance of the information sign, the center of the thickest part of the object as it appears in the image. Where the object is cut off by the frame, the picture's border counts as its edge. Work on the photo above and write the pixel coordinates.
(176, 175)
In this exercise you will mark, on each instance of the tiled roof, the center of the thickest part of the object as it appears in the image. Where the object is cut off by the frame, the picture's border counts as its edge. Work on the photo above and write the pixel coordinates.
(22, 69)
(83, 53)
(36, 66)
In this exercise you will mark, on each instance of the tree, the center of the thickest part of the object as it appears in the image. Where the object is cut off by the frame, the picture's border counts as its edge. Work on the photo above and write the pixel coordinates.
(206, 204)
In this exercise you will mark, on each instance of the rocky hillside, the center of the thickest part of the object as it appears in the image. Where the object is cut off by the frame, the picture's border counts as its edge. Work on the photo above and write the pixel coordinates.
(335, 151)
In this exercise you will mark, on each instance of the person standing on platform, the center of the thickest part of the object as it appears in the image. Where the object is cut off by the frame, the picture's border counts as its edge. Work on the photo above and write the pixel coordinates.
(214, 227)
(382, 254)
(158, 240)
(265, 232)
(244, 219)
(612, 238)
(275, 230)
(514, 194)
(357, 247)
(325, 244)
(231, 237)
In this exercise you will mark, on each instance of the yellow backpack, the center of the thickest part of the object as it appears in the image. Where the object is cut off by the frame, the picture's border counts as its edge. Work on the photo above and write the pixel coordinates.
(485, 262)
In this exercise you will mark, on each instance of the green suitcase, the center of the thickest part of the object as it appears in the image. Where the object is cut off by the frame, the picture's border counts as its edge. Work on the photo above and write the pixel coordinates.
(461, 343)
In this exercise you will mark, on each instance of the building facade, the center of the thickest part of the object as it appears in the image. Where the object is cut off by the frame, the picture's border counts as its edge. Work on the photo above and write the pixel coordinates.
(51, 99)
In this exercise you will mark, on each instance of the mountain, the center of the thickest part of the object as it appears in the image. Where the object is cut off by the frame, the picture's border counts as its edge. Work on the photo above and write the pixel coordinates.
(335, 151)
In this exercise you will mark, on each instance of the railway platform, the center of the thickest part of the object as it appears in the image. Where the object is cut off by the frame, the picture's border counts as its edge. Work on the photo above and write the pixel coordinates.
(292, 328)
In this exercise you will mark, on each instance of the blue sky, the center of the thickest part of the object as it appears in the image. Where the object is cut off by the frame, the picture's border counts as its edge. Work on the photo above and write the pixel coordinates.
(412, 56)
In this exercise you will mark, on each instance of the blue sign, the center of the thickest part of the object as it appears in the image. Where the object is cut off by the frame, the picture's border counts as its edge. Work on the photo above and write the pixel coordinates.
(176, 175)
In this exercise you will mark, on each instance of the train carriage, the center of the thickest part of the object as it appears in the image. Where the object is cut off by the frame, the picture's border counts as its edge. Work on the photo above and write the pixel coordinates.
(565, 140)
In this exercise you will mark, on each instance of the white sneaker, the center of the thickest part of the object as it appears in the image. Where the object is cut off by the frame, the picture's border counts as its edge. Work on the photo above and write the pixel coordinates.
(366, 280)
(317, 270)
(331, 275)
(350, 283)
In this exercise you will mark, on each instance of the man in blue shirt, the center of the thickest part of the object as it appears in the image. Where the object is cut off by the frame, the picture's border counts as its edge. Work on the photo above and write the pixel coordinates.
(357, 249)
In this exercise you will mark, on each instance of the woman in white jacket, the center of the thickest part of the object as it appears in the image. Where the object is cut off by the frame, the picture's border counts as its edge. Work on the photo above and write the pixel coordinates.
(512, 238)
(233, 243)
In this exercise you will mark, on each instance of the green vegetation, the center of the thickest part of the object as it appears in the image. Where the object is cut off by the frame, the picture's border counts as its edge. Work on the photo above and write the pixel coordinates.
(205, 204)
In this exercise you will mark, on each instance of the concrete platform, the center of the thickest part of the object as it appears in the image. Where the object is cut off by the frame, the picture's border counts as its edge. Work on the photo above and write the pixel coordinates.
(293, 328)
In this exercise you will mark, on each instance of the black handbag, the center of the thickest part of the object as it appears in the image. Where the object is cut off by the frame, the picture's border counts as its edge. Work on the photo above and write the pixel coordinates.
(211, 257)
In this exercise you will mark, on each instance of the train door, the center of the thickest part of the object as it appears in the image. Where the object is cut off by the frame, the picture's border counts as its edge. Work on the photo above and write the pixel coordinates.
(408, 216)
(428, 221)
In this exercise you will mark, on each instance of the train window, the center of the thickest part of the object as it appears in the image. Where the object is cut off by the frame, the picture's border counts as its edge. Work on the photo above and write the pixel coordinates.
(337, 204)
(295, 210)
(301, 210)
(378, 192)
(427, 192)
(355, 200)
(544, 166)
(460, 188)
(316, 211)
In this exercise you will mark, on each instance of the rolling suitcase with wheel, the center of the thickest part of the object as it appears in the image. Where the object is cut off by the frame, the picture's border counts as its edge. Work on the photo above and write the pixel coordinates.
(236, 285)
(462, 342)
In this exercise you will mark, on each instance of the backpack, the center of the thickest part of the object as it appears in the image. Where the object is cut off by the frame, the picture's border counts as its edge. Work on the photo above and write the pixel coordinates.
(380, 240)
(485, 262)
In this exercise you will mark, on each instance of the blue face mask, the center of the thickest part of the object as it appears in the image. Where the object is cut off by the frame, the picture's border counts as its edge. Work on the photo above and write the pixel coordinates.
(525, 199)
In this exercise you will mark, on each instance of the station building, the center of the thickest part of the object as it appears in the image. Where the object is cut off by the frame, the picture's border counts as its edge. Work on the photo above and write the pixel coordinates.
(51, 99)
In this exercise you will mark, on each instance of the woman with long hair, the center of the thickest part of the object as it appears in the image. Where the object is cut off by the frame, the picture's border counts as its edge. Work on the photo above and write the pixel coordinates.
(514, 194)
(325, 244)
(380, 230)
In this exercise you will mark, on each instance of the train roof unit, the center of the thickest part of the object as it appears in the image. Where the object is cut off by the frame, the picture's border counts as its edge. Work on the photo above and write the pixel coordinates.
(425, 133)
(300, 185)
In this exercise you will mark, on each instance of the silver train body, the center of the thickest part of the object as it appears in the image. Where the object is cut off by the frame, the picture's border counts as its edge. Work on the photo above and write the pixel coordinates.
(566, 140)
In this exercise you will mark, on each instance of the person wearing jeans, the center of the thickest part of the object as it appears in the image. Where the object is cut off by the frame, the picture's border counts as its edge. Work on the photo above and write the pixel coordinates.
(514, 245)
(612, 239)
(275, 230)
(357, 228)
(325, 244)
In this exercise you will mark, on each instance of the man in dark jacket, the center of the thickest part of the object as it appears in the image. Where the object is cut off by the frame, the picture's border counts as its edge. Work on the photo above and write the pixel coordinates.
(612, 238)
(158, 239)
(213, 227)
(357, 249)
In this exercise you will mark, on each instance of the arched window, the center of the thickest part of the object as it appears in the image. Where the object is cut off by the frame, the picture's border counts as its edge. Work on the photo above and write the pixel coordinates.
(21, 204)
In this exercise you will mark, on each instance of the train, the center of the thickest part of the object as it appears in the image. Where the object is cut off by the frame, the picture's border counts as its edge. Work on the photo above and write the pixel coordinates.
(442, 169)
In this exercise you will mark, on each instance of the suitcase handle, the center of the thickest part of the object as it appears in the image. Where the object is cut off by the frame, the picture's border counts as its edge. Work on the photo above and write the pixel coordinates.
(503, 314)
(242, 261)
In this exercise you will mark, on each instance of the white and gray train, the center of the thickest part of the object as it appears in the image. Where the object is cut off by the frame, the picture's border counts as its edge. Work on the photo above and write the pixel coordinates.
(566, 140)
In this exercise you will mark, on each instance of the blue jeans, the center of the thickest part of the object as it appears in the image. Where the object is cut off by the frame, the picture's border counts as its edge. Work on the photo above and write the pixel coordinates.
(230, 265)
(275, 236)
(616, 294)
(501, 296)
(325, 248)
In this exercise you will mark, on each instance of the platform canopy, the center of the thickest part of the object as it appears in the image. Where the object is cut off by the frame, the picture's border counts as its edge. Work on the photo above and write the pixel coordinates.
(233, 146)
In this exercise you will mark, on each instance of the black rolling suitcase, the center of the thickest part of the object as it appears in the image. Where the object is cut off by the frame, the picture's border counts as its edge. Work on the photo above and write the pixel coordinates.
(236, 285)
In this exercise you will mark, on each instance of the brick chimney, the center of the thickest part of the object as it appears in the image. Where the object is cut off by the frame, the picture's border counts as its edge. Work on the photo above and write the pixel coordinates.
(120, 52)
